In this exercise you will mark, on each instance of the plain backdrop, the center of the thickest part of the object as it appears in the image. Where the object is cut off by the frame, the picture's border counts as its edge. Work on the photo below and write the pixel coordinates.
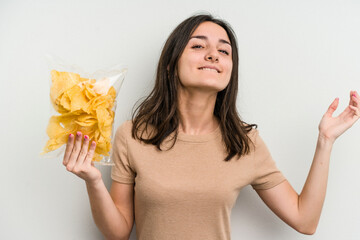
(296, 57)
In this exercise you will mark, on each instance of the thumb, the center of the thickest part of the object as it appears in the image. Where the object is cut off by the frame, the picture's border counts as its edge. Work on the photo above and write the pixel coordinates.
(333, 107)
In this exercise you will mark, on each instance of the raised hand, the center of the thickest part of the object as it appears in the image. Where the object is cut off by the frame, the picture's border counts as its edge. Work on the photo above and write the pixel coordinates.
(332, 127)
(77, 158)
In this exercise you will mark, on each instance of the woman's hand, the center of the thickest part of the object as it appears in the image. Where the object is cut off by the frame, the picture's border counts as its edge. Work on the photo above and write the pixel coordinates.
(330, 128)
(77, 159)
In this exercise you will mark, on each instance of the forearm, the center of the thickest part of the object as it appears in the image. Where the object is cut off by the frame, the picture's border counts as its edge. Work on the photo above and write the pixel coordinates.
(313, 194)
(107, 217)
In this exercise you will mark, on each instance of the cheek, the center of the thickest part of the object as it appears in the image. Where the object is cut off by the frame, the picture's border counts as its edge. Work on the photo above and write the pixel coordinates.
(186, 66)
(229, 70)
(183, 73)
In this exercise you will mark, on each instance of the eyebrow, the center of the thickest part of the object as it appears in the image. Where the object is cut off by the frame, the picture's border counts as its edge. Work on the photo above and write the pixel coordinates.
(206, 38)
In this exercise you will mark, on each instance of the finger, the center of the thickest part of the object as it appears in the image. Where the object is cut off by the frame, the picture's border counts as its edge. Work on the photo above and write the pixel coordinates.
(356, 110)
(83, 152)
(350, 101)
(75, 152)
(68, 149)
(357, 95)
(333, 106)
(91, 152)
(355, 99)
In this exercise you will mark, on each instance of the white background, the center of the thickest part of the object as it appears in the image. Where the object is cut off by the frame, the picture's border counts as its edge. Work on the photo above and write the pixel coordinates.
(295, 58)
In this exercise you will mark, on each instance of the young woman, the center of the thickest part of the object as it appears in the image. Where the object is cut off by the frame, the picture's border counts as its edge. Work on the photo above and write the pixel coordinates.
(183, 158)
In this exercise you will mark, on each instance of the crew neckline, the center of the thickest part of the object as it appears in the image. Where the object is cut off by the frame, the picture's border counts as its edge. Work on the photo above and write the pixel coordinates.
(201, 137)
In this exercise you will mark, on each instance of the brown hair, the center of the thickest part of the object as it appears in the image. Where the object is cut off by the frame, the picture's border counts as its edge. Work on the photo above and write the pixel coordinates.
(159, 109)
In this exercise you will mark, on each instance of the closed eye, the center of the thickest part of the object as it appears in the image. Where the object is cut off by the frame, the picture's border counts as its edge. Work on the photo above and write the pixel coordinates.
(223, 51)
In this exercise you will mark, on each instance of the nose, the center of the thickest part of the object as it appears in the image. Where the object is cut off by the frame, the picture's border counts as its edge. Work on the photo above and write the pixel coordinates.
(211, 56)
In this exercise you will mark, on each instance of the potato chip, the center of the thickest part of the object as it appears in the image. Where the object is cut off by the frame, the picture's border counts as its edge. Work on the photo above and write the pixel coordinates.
(61, 82)
(84, 105)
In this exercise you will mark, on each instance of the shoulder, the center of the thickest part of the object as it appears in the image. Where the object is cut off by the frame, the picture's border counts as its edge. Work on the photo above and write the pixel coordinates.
(127, 125)
(253, 134)
(124, 130)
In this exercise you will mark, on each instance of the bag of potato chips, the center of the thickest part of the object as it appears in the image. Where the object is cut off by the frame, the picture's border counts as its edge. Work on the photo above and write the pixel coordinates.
(82, 102)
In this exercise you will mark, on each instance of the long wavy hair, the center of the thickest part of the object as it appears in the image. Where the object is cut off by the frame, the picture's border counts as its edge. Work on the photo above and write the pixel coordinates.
(159, 108)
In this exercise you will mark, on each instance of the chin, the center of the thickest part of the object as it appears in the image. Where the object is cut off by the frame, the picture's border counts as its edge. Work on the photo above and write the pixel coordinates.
(211, 84)
(214, 85)
(214, 88)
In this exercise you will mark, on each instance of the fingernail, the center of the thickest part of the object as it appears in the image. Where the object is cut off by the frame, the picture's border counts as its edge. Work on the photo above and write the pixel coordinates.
(86, 137)
(70, 135)
(78, 133)
(353, 95)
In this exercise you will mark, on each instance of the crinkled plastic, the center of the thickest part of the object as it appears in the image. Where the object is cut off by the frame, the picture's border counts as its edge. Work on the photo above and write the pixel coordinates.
(82, 102)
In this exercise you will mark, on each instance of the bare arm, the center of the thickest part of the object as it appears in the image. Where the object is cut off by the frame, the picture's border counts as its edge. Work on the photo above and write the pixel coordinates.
(302, 212)
(113, 220)
(111, 216)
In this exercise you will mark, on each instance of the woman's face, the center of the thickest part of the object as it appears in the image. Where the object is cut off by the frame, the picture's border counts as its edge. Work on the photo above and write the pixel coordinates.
(206, 62)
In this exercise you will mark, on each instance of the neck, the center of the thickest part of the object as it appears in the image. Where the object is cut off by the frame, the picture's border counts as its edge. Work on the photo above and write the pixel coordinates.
(197, 113)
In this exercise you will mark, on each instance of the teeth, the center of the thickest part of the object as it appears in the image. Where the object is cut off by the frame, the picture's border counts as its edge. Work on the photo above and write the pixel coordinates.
(209, 69)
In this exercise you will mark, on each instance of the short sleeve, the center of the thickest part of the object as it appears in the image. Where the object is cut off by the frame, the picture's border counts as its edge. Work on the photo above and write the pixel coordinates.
(267, 174)
(122, 171)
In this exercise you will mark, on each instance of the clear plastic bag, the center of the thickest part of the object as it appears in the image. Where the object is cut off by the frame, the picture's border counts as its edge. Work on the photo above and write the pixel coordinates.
(82, 102)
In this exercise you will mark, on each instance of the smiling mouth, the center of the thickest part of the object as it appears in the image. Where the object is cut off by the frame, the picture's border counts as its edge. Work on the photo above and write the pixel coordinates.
(209, 69)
